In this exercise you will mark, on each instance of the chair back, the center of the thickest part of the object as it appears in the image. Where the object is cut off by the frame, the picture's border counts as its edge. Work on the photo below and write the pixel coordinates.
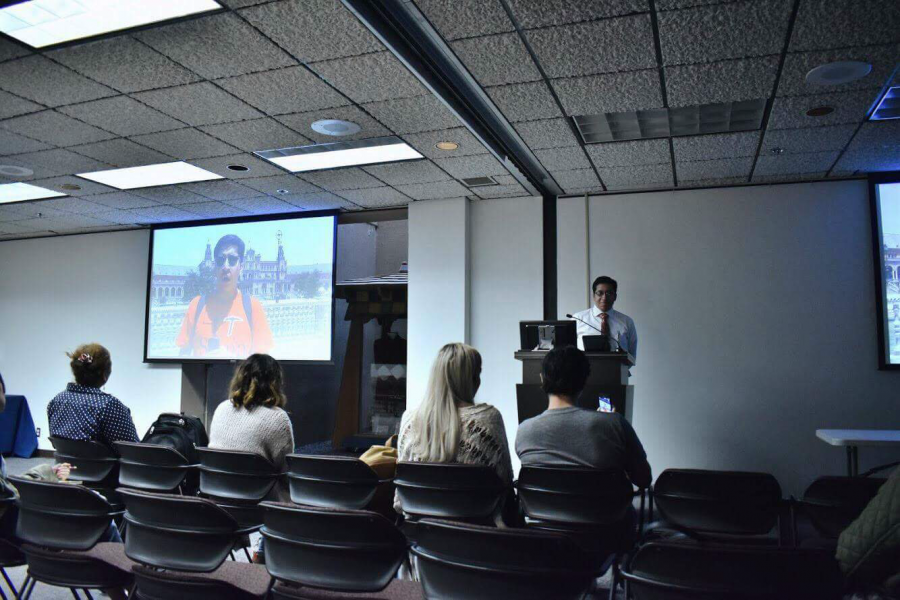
(151, 467)
(574, 496)
(725, 502)
(461, 560)
(671, 570)
(177, 532)
(330, 481)
(96, 465)
(334, 549)
(832, 503)
(448, 490)
(61, 516)
(238, 481)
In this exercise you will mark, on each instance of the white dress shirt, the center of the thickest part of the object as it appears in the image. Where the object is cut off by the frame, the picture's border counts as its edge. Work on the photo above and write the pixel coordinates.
(621, 328)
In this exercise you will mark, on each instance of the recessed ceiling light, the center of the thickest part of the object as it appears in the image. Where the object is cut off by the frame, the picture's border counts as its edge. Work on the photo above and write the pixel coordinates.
(19, 192)
(341, 154)
(819, 111)
(14, 171)
(446, 145)
(335, 127)
(837, 73)
(151, 175)
(237, 168)
(42, 23)
(283, 191)
(70, 186)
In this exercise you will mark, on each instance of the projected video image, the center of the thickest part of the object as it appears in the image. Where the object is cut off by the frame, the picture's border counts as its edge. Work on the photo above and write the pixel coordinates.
(228, 291)
(888, 197)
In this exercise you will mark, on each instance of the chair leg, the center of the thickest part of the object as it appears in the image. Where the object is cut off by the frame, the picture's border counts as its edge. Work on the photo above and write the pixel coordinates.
(24, 587)
(75, 593)
(12, 588)
(30, 589)
(3, 595)
(88, 594)
(247, 553)
(613, 583)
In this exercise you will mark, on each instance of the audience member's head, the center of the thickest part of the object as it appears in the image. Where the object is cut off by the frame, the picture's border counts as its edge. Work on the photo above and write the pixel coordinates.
(91, 364)
(564, 372)
(454, 380)
(257, 381)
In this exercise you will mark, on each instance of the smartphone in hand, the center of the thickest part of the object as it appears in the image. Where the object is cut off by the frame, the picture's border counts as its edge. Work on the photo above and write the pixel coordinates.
(605, 405)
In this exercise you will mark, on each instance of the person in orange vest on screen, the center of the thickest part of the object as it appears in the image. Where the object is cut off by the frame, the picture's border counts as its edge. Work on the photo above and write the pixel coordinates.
(227, 323)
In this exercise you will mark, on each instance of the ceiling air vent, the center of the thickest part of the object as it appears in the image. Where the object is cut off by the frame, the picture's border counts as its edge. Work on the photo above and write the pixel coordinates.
(722, 117)
(478, 181)
(889, 105)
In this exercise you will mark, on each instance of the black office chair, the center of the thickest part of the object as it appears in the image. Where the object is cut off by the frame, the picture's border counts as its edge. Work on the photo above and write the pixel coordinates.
(237, 481)
(96, 465)
(331, 481)
(180, 544)
(593, 506)
(684, 570)
(832, 503)
(10, 555)
(461, 560)
(333, 550)
(154, 468)
(719, 505)
(61, 525)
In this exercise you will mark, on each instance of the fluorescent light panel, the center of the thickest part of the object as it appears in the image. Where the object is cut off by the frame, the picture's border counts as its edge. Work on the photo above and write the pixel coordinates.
(151, 175)
(889, 105)
(341, 154)
(41, 23)
(19, 192)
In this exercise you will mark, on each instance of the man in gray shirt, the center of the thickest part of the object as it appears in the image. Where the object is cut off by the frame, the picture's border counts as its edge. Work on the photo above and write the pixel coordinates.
(565, 435)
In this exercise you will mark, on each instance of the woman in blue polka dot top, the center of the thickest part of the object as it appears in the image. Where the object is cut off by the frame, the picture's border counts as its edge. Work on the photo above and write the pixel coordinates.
(85, 412)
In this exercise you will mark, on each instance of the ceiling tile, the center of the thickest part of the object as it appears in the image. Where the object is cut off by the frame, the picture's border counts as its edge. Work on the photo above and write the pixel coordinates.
(54, 128)
(793, 178)
(74, 205)
(416, 171)
(723, 31)
(456, 19)
(214, 210)
(49, 163)
(313, 30)
(122, 153)
(608, 46)
(33, 209)
(876, 135)
(722, 182)
(869, 161)
(11, 106)
(787, 164)
(808, 139)
(676, 4)
(258, 134)
(570, 158)
(12, 143)
(539, 13)
(301, 122)
(209, 46)
(263, 205)
(122, 217)
(825, 24)
(376, 197)
(87, 187)
(413, 115)
(577, 179)
(549, 133)
(370, 77)
(124, 64)
(221, 190)
(317, 201)
(480, 165)
(169, 194)
(725, 81)
(241, 3)
(10, 49)
(271, 185)
(335, 180)
(597, 94)
(714, 169)
(122, 115)
(717, 146)
(624, 154)
(793, 76)
(198, 104)
(284, 91)
(425, 142)
(497, 59)
(849, 107)
(500, 191)
(41, 80)
(638, 176)
(162, 214)
(120, 200)
(525, 101)
(219, 165)
(185, 144)
(433, 191)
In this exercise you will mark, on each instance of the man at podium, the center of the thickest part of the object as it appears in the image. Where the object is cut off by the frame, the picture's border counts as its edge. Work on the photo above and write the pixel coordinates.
(601, 319)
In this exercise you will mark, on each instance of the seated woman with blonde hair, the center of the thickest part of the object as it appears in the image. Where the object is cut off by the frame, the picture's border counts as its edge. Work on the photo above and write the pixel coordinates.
(447, 427)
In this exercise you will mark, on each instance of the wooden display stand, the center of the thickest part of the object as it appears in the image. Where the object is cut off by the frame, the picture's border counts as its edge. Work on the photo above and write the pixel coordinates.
(608, 378)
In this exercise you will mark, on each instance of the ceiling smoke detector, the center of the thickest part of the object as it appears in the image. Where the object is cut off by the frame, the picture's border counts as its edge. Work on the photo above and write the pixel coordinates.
(335, 127)
(838, 73)
(819, 111)
(446, 145)
(13, 171)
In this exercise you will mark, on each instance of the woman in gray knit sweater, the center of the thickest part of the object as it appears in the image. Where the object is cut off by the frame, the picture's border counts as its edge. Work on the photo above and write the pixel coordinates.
(252, 419)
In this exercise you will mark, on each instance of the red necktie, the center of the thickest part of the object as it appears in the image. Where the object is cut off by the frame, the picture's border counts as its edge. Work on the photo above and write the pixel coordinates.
(604, 324)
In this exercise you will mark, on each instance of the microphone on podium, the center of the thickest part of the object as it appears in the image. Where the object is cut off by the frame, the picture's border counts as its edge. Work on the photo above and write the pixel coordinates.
(585, 322)
(618, 347)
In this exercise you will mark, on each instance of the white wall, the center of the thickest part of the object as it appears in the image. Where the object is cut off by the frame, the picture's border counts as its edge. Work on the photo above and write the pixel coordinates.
(573, 279)
(56, 293)
(756, 317)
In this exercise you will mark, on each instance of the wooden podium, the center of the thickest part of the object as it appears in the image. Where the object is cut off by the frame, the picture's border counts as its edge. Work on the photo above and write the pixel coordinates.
(608, 378)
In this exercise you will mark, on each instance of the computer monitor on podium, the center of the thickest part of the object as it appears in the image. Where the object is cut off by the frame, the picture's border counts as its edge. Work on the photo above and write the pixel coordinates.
(545, 335)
